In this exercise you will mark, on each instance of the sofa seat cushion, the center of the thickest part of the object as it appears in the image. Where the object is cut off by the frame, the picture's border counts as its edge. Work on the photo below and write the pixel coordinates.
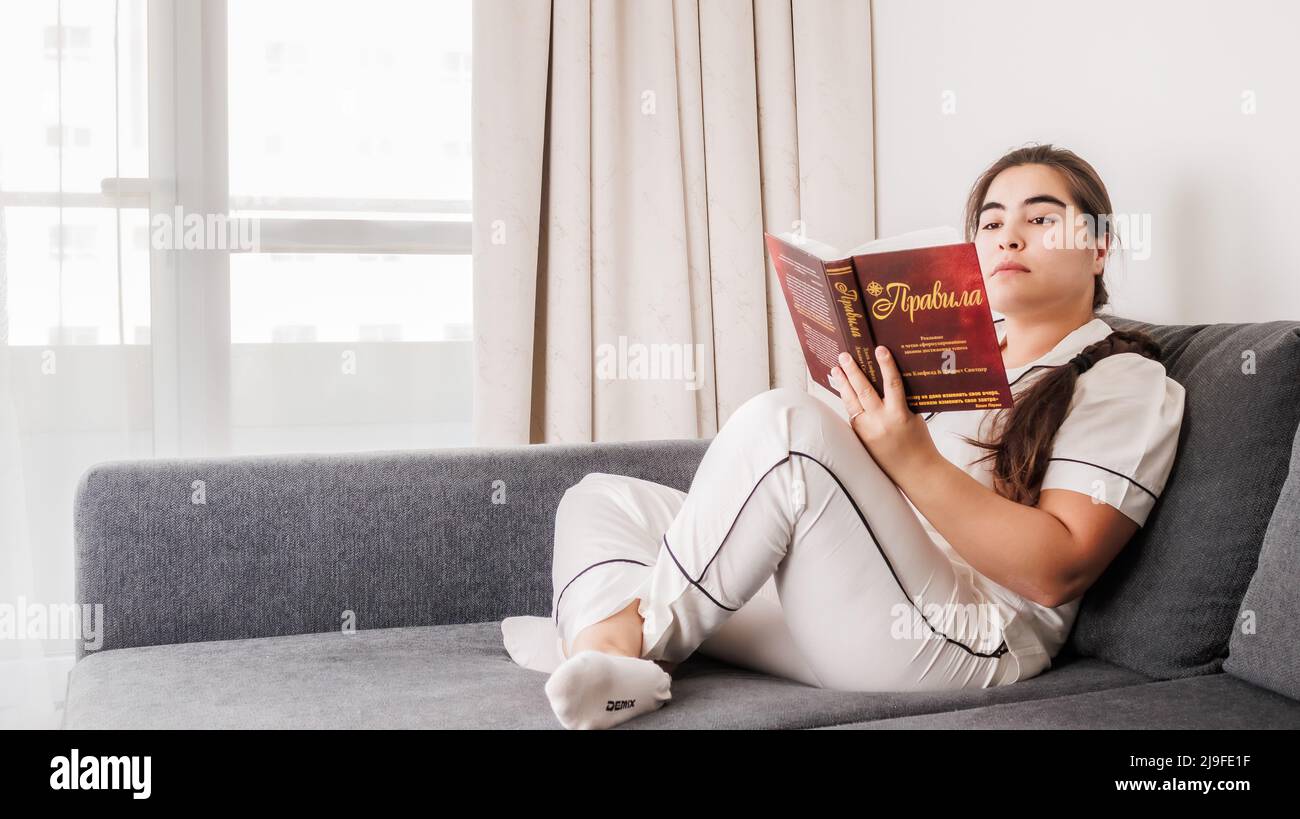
(1212, 701)
(460, 676)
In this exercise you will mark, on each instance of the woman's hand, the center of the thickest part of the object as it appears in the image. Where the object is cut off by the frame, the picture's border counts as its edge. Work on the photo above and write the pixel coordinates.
(895, 436)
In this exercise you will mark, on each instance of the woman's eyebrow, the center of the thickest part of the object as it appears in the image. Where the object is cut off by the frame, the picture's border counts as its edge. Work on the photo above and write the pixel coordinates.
(1033, 200)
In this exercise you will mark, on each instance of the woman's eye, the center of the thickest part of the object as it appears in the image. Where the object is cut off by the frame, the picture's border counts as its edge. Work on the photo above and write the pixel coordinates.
(987, 226)
(1049, 218)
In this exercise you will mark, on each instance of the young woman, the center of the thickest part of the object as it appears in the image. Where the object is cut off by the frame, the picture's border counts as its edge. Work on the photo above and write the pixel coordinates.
(896, 551)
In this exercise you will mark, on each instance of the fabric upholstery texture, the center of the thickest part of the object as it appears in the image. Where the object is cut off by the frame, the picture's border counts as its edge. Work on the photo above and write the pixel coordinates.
(459, 676)
(1265, 645)
(291, 544)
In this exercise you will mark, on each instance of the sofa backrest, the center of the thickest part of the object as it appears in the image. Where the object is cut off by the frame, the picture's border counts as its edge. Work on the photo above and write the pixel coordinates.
(300, 543)
(1167, 604)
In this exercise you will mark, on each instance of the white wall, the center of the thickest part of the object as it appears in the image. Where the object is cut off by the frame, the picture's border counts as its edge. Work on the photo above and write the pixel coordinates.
(1150, 93)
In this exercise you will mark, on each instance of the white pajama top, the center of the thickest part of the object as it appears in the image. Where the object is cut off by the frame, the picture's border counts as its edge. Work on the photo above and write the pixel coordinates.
(1116, 444)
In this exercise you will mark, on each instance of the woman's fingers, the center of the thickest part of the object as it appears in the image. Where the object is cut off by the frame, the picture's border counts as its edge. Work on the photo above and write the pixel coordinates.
(895, 397)
(847, 398)
(860, 394)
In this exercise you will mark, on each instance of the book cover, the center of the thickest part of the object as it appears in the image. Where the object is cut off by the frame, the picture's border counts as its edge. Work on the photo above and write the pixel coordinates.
(927, 305)
(828, 309)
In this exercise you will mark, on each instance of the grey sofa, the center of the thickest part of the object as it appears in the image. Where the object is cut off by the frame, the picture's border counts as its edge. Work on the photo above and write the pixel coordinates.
(366, 590)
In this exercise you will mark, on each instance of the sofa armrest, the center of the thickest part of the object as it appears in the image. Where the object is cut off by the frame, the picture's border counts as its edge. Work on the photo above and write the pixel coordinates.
(181, 550)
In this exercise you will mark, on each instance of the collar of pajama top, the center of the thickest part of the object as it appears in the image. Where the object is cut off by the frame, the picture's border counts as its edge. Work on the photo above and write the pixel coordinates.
(1065, 349)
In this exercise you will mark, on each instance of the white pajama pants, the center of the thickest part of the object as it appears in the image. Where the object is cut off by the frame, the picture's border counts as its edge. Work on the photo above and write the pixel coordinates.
(793, 553)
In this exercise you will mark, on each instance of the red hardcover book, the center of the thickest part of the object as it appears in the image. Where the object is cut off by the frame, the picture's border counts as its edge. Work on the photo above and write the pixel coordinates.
(923, 300)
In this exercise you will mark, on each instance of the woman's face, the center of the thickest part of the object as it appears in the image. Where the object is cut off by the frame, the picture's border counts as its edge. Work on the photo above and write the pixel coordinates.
(1023, 222)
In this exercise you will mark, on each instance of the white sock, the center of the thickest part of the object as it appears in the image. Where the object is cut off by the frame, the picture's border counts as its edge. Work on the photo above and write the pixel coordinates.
(593, 689)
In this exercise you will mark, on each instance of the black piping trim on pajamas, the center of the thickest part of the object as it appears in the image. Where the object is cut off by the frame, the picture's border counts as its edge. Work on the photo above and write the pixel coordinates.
(997, 652)
(556, 615)
(682, 568)
(1031, 369)
(1111, 471)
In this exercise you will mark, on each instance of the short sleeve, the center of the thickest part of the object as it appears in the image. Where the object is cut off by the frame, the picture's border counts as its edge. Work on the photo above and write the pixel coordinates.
(1120, 435)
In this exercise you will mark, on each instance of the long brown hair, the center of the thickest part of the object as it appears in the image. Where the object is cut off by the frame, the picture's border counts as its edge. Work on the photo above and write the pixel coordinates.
(1023, 446)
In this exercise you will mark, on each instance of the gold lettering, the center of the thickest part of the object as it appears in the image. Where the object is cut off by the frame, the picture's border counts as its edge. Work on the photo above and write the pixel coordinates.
(898, 295)
(847, 297)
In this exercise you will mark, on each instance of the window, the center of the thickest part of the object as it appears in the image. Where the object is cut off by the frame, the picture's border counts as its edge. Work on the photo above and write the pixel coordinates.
(349, 144)
(350, 315)
(76, 259)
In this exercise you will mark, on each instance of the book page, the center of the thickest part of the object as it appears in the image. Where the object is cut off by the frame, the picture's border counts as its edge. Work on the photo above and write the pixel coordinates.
(823, 321)
(812, 247)
(926, 237)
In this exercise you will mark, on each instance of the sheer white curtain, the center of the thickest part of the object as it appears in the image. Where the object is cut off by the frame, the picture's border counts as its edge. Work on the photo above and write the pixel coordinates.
(73, 318)
(25, 699)
(341, 132)
(627, 158)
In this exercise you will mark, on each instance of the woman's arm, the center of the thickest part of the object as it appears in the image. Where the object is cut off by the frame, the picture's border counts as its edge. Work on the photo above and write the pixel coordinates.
(1050, 553)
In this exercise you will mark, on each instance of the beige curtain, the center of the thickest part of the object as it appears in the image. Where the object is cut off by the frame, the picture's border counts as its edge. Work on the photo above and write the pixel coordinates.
(627, 158)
